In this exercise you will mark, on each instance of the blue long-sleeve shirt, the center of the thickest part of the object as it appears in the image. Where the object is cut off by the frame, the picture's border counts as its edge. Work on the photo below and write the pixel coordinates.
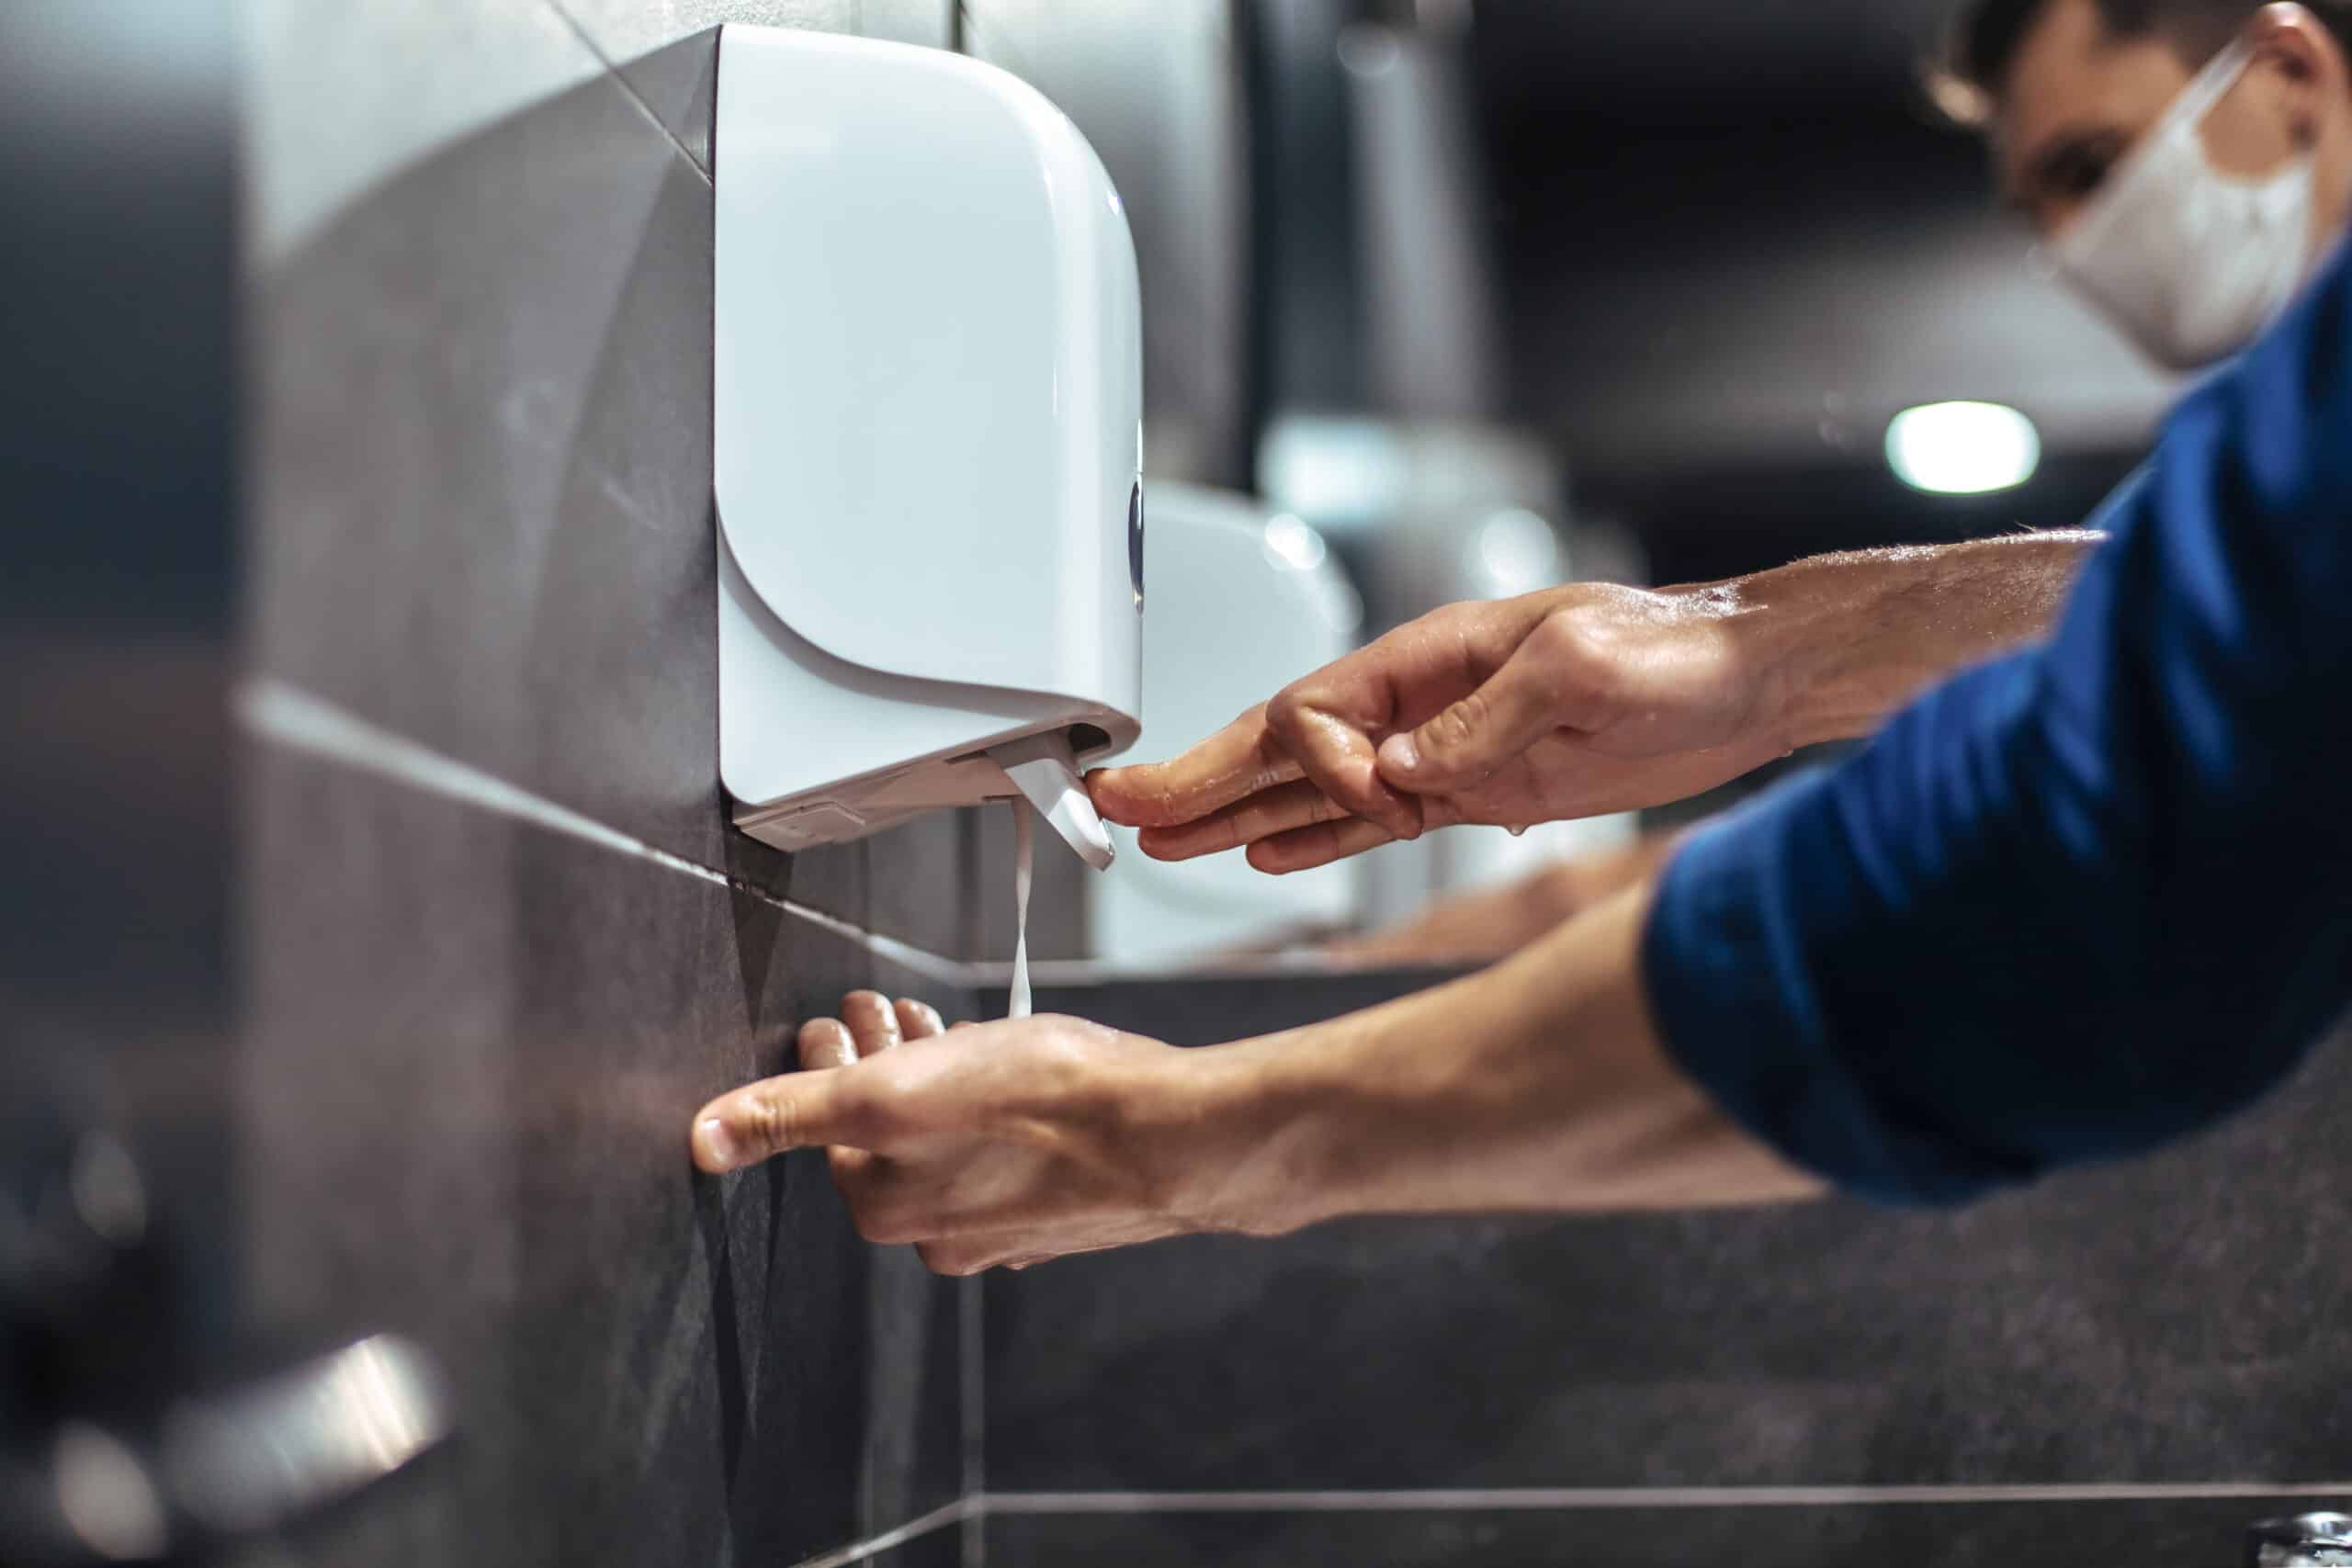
(2086, 898)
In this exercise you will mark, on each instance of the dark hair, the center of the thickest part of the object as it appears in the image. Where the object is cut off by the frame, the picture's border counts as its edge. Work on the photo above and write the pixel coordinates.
(1986, 41)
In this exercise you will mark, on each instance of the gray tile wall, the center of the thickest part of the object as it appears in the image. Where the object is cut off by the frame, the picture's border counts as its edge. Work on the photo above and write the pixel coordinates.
(500, 941)
(2164, 1327)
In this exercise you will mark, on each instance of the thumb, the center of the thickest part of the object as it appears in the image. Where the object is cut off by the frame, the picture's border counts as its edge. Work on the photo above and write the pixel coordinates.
(1541, 688)
(797, 1110)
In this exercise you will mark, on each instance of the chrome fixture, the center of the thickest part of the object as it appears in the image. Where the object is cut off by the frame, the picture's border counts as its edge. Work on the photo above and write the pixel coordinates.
(2309, 1541)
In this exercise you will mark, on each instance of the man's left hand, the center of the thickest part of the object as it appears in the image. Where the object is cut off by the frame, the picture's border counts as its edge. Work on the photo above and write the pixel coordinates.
(994, 1144)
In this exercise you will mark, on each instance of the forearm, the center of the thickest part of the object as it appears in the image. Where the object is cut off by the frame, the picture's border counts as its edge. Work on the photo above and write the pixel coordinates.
(1849, 638)
(1538, 1085)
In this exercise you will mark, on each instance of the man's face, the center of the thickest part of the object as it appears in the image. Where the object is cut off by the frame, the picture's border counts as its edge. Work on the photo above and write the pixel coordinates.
(2078, 98)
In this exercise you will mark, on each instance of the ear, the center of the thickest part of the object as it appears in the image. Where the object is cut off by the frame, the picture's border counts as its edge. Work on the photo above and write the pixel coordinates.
(2308, 63)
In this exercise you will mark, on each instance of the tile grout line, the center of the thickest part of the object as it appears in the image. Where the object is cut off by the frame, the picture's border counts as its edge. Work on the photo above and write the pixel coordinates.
(939, 1519)
(1562, 1499)
(273, 710)
(620, 78)
(971, 1367)
(978, 1508)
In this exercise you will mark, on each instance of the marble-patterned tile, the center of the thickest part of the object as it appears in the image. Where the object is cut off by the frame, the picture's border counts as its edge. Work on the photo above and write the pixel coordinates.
(472, 1049)
(2030, 1535)
(2164, 1322)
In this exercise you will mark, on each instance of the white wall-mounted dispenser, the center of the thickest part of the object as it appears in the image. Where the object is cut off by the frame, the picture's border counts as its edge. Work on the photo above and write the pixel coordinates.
(927, 449)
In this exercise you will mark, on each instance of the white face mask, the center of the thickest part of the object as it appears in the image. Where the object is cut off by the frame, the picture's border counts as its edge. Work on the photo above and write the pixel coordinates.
(2192, 263)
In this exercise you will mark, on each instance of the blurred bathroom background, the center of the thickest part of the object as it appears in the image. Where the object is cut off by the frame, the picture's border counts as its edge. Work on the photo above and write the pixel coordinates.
(370, 918)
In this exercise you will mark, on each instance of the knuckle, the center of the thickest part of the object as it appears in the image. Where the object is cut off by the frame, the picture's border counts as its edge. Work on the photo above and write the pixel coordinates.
(1286, 711)
(1459, 725)
(948, 1261)
(765, 1121)
(1563, 635)
(1581, 663)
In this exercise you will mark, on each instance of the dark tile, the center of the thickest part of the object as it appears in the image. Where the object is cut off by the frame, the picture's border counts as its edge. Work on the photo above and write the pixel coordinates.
(484, 472)
(924, 880)
(1208, 1008)
(2033, 1535)
(941, 1548)
(473, 1048)
(2166, 1321)
(678, 83)
(836, 878)
(627, 30)
(668, 54)
(485, 467)
(1060, 884)
(339, 98)
(926, 22)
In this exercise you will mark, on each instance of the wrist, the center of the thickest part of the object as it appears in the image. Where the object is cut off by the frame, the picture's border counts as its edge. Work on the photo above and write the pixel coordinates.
(1242, 1147)
(1802, 629)
(1771, 654)
(1436, 1103)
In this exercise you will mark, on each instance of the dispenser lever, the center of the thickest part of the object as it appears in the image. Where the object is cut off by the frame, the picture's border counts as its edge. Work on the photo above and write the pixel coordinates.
(1043, 768)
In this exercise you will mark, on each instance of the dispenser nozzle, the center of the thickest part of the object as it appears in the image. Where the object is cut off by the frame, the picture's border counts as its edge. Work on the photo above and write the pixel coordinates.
(1045, 769)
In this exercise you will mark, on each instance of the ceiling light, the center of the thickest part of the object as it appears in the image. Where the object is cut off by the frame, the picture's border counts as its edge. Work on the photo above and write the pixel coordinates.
(1963, 448)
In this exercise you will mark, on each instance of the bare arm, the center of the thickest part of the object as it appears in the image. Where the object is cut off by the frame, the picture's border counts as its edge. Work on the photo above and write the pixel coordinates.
(1858, 635)
(1588, 698)
(1539, 1085)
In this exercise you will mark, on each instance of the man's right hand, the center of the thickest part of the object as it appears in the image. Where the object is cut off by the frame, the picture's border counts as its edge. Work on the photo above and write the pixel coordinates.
(1574, 702)
(1589, 699)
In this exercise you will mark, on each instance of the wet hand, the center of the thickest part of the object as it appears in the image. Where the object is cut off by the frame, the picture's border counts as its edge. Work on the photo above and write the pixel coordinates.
(1575, 701)
(995, 1145)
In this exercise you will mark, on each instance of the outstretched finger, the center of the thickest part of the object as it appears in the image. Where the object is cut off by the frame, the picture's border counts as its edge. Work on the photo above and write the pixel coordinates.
(797, 1110)
(1341, 758)
(1263, 814)
(1236, 762)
